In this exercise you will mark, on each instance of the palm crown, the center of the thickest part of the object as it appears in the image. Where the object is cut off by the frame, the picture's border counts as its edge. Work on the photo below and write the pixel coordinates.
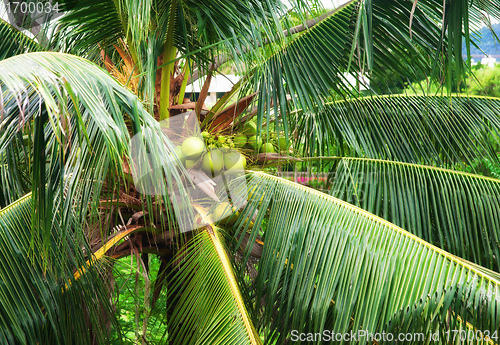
(407, 240)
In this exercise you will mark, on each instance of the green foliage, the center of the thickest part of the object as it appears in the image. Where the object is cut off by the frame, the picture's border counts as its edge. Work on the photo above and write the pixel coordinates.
(484, 81)
(484, 167)
(323, 263)
(129, 299)
(425, 87)
(487, 83)
(295, 18)
(341, 265)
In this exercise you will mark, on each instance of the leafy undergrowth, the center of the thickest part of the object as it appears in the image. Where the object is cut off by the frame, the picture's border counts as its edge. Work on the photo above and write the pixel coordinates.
(484, 167)
(129, 298)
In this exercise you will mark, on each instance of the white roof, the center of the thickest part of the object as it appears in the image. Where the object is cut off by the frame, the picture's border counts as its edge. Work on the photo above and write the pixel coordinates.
(352, 80)
(219, 83)
(224, 83)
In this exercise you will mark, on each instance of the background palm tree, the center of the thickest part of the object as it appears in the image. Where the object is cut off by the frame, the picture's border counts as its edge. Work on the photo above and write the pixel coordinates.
(412, 247)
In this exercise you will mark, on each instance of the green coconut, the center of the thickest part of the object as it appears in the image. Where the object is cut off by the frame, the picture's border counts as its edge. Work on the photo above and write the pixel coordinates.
(255, 142)
(180, 154)
(213, 162)
(193, 147)
(240, 140)
(234, 161)
(191, 163)
(267, 148)
(282, 143)
(250, 128)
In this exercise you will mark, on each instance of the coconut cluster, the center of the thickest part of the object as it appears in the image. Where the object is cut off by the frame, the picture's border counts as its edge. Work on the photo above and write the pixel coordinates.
(249, 139)
(193, 153)
(217, 154)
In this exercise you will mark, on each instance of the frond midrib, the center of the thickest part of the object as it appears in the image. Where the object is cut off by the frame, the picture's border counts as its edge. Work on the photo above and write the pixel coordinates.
(398, 95)
(381, 221)
(227, 268)
(15, 204)
(414, 165)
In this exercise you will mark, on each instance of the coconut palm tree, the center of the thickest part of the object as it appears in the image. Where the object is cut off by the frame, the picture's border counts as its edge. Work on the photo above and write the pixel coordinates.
(406, 242)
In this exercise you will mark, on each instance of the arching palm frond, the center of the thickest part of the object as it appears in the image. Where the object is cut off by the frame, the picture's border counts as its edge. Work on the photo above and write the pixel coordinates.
(41, 304)
(82, 113)
(15, 42)
(431, 129)
(328, 265)
(457, 211)
(209, 307)
(76, 115)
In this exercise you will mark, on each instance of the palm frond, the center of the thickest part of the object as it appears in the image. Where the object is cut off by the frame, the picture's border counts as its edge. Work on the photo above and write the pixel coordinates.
(310, 68)
(77, 116)
(94, 21)
(304, 71)
(366, 39)
(210, 309)
(37, 305)
(457, 211)
(435, 130)
(80, 133)
(15, 42)
(329, 265)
